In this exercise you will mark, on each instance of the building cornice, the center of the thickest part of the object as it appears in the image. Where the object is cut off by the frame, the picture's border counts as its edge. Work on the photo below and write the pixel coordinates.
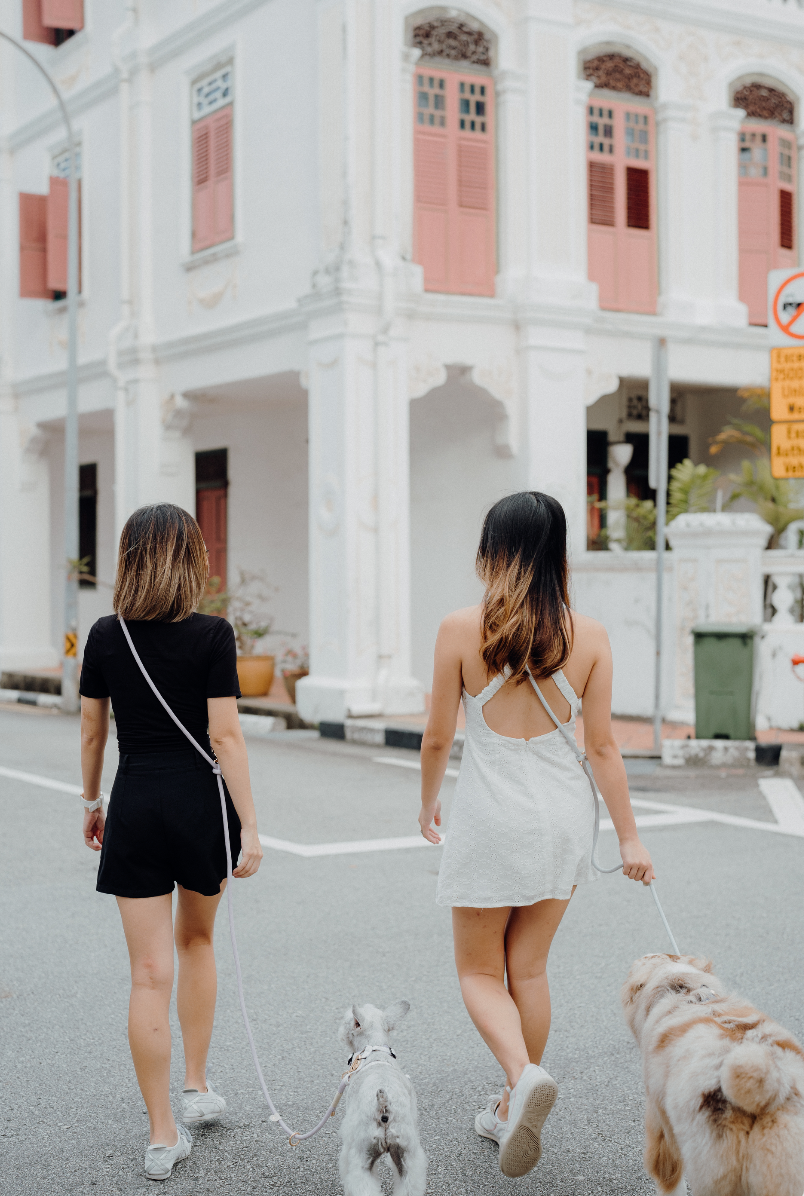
(787, 26)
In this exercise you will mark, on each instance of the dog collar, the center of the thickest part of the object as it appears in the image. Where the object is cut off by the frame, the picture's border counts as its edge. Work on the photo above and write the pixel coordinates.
(359, 1057)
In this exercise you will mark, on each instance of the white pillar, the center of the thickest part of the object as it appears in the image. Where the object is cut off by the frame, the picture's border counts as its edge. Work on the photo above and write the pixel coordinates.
(25, 630)
(616, 492)
(510, 97)
(717, 565)
(675, 196)
(724, 128)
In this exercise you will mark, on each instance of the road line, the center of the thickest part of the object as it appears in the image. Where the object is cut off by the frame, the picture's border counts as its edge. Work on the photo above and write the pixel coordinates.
(44, 782)
(348, 848)
(397, 763)
(783, 797)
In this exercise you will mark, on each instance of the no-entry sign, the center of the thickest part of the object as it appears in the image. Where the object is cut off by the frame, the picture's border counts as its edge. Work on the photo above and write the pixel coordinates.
(786, 307)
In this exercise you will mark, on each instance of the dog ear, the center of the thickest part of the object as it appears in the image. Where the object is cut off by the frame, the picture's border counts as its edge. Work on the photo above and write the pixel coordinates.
(356, 1016)
(393, 1015)
(703, 965)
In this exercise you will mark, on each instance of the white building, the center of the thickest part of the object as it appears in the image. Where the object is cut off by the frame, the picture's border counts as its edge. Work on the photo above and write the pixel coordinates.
(383, 263)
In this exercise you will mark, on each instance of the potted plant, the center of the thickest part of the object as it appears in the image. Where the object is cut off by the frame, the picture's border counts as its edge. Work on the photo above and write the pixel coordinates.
(245, 605)
(295, 664)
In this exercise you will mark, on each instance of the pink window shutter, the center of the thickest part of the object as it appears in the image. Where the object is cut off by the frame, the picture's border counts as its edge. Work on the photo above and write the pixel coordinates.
(33, 246)
(203, 190)
(431, 166)
(783, 182)
(472, 252)
(34, 29)
(221, 133)
(622, 205)
(63, 14)
(57, 226)
(756, 217)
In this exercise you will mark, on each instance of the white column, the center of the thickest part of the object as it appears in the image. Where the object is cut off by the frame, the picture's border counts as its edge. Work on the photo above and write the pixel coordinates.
(675, 195)
(553, 377)
(25, 631)
(717, 564)
(510, 93)
(619, 455)
(724, 128)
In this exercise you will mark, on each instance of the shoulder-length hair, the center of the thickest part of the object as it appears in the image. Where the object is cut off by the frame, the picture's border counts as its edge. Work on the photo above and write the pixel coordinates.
(162, 565)
(522, 560)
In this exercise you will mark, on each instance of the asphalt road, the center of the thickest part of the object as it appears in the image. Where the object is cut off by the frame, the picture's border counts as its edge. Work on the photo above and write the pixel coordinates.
(317, 933)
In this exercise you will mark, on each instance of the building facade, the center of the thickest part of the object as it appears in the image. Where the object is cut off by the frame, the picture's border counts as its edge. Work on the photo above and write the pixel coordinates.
(351, 270)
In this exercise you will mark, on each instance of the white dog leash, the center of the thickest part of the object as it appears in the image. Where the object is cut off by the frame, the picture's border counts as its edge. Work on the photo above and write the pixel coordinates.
(585, 765)
(294, 1137)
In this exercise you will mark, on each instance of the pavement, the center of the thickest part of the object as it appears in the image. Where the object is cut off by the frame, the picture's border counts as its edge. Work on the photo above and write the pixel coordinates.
(325, 926)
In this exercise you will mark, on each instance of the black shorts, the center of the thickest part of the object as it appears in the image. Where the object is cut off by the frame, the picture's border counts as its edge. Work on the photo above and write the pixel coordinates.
(164, 825)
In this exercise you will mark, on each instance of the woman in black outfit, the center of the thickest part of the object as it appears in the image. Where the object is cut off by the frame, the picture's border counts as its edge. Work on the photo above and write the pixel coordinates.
(164, 823)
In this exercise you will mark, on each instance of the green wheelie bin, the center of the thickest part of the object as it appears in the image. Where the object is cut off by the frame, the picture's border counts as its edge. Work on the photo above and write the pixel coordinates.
(724, 680)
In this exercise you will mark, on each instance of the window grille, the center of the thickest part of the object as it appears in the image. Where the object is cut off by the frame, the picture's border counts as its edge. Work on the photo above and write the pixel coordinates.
(213, 92)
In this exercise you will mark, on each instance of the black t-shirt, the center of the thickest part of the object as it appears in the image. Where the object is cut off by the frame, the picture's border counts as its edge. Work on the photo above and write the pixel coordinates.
(188, 662)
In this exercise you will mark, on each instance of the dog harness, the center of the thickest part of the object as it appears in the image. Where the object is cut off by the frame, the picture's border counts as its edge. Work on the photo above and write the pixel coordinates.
(357, 1062)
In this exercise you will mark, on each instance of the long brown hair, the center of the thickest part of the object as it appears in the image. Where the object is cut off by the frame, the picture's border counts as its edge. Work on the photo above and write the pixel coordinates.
(522, 561)
(162, 565)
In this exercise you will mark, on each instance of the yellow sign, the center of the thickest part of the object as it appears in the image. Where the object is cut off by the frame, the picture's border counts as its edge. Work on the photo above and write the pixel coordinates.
(787, 384)
(787, 450)
(71, 639)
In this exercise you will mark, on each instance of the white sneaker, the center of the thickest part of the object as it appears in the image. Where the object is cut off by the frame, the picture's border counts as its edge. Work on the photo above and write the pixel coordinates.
(160, 1160)
(531, 1100)
(488, 1124)
(202, 1106)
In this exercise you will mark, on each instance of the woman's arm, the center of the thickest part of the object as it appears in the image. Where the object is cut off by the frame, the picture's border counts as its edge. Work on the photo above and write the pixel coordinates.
(607, 763)
(229, 745)
(440, 731)
(94, 733)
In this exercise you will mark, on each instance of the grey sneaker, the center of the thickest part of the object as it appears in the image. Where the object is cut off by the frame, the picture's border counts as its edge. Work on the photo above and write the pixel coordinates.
(160, 1160)
(488, 1124)
(531, 1100)
(202, 1106)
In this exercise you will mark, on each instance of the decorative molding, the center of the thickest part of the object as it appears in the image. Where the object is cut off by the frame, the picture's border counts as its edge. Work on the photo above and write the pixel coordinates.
(177, 413)
(616, 72)
(598, 383)
(425, 375)
(211, 298)
(214, 254)
(764, 103)
(499, 380)
(328, 511)
(452, 39)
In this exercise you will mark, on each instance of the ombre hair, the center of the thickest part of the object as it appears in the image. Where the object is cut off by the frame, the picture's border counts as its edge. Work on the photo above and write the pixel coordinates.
(522, 561)
(162, 565)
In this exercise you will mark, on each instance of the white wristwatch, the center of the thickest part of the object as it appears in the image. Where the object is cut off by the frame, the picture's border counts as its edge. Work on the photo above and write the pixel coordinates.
(93, 805)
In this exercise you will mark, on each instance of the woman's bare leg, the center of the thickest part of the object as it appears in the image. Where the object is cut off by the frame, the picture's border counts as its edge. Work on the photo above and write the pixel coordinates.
(148, 926)
(198, 980)
(479, 936)
(528, 938)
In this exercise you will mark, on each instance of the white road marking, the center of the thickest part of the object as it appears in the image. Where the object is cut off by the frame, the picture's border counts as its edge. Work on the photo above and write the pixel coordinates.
(44, 782)
(785, 800)
(357, 845)
(450, 772)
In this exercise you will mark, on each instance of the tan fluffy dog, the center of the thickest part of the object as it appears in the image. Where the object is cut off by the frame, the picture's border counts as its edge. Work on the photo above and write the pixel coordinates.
(724, 1084)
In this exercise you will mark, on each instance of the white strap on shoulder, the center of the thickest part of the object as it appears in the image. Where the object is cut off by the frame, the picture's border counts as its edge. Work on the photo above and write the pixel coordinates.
(493, 686)
(570, 738)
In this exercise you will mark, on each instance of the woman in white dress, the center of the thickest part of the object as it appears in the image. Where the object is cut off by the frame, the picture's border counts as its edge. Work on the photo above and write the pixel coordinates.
(521, 826)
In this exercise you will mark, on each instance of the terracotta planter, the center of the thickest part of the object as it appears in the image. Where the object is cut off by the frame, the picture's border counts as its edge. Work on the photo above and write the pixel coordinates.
(290, 677)
(255, 674)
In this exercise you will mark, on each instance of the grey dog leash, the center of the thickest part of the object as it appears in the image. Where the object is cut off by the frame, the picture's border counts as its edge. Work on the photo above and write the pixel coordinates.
(585, 765)
(293, 1136)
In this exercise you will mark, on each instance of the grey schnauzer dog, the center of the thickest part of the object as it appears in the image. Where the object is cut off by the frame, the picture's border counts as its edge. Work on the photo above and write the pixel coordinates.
(380, 1118)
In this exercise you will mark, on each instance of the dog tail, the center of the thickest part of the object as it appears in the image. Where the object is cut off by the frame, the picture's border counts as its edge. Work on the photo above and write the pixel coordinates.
(752, 1078)
(383, 1110)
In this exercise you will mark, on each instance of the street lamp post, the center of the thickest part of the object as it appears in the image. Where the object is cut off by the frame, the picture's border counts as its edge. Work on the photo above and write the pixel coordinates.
(69, 679)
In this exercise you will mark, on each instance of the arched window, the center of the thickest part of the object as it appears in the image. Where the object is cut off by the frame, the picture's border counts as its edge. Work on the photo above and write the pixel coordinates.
(454, 189)
(767, 173)
(620, 152)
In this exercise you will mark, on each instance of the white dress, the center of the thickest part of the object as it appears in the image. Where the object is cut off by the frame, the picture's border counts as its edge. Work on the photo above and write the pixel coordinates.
(522, 819)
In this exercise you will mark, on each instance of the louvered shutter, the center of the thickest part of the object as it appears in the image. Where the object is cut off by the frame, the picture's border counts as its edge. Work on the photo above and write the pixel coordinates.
(34, 29)
(203, 190)
(33, 246)
(622, 205)
(222, 175)
(63, 14)
(472, 251)
(454, 189)
(766, 190)
(431, 167)
(58, 222)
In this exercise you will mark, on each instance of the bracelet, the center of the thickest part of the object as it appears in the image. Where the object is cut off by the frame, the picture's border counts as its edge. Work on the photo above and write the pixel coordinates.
(93, 805)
